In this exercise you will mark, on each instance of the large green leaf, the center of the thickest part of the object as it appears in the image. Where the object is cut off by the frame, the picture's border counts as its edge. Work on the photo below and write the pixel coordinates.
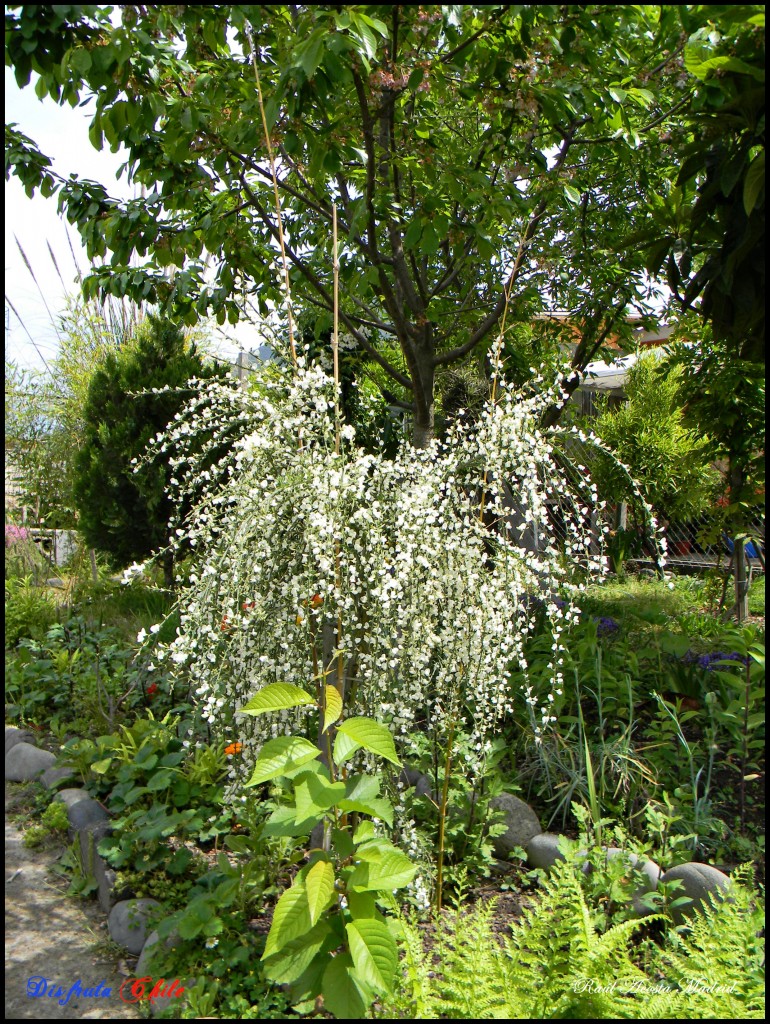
(374, 953)
(283, 822)
(380, 868)
(295, 957)
(371, 736)
(345, 995)
(280, 754)
(276, 697)
(377, 807)
(291, 918)
(319, 885)
(313, 795)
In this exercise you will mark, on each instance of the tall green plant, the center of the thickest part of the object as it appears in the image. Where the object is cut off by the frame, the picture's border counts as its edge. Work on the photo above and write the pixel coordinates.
(333, 900)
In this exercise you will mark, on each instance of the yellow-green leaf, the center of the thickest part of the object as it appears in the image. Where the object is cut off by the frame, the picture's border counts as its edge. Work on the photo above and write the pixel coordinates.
(371, 736)
(374, 952)
(276, 697)
(281, 754)
(291, 918)
(333, 708)
(319, 885)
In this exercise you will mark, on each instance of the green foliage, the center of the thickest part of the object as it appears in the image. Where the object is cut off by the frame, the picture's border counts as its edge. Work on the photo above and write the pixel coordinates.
(333, 900)
(44, 411)
(155, 789)
(470, 823)
(122, 512)
(77, 676)
(29, 610)
(670, 462)
(557, 965)
(53, 823)
(436, 210)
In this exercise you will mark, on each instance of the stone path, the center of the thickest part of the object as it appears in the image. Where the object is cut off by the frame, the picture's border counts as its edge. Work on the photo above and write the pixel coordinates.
(50, 935)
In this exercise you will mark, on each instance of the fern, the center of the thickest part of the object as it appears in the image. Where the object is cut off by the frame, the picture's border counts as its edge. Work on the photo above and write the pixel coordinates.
(557, 965)
(717, 964)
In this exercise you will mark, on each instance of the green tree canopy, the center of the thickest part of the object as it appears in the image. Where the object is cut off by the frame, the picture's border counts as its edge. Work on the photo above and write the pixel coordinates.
(125, 513)
(485, 160)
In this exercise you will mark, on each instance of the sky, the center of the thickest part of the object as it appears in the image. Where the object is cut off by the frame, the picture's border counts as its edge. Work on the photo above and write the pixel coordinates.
(62, 134)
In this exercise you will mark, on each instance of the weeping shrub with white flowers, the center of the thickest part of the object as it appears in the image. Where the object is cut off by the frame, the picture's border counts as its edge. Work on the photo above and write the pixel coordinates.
(403, 582)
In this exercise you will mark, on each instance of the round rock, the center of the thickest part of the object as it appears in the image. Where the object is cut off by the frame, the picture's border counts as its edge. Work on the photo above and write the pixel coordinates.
(521, 821)
(23, 762)
(14, 736)
(128, 923)
(698, 880)
(543, 850)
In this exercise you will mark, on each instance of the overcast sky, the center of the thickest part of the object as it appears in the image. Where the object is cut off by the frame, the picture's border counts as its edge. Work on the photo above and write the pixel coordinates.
(62, 134)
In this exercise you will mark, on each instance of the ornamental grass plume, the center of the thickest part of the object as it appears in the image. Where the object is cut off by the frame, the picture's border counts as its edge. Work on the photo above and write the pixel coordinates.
(313, 562)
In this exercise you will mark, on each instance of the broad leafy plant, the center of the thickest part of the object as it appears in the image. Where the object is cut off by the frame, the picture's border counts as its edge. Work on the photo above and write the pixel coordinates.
(328, 936)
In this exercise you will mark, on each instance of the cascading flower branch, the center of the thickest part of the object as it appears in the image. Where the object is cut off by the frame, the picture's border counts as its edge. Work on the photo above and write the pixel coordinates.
(404, 582)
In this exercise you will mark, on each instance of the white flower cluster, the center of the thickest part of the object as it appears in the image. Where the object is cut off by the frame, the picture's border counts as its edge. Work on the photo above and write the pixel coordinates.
(417, 575)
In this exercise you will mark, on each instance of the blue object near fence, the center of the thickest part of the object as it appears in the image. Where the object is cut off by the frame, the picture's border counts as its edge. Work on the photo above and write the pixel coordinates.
(750, 549)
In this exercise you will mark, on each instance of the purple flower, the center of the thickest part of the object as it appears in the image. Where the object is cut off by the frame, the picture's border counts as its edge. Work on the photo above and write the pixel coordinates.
(605, 626)
(707, 662)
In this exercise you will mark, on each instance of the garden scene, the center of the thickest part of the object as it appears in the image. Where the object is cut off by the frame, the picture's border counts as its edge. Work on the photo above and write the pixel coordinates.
(411, 664)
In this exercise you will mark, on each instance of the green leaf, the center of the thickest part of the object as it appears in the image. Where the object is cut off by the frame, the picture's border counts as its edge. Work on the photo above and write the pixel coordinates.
(754, 182)
(313, 795)
(371, 736)
(572, 195)
(283, 822)
(276, 697)
(377, 808)
(345, 995)
(333, 708)
(308, 55)
(379, 868)
(319, 885)
(291, 918)
(374, 952)
(297, 955)
(344, 747)
(281, 754)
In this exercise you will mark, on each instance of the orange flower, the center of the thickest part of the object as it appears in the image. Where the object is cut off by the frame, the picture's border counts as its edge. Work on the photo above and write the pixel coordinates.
(224, 625)
(248, 605)
(233, 748)
(316, 601)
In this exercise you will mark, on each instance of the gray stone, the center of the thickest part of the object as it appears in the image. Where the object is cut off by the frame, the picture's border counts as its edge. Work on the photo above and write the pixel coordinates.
(521, 821)
(95, 866)
(144, 964)
(128, 923)
(698, 880)
(56, 583)
(651, 875)
(51, 777)
(14, 736)
(422, 784)
(85, 813)
(23, 762)
(543, 850)
(71, 796)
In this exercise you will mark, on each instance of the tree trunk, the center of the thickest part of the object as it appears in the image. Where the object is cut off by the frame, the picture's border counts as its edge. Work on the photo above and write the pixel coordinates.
(423, 374)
